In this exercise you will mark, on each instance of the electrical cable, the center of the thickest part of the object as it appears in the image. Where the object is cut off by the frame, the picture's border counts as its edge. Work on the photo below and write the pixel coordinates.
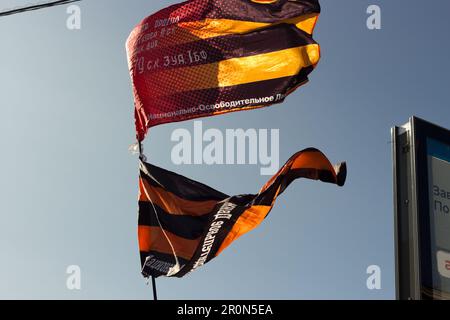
(39, 6)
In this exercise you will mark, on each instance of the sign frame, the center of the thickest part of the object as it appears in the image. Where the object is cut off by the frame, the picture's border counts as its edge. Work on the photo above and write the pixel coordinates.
(411, 206)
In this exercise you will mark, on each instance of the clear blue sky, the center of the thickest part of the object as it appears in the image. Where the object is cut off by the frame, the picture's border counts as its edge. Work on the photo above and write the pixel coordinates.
(68, 185)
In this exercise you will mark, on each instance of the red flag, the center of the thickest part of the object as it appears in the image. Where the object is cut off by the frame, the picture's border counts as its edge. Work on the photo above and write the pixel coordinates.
(207, 57)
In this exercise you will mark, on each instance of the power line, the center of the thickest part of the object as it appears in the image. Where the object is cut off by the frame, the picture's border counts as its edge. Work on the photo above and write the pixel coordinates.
(35, 7)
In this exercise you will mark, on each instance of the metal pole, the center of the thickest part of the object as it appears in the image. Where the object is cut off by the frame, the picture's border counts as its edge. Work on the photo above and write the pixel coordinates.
(142, 157)
(155, 297)
(141, 149)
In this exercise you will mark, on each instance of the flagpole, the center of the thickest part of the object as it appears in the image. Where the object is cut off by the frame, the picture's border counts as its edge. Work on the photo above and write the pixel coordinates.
(142, 157)
(155, 296)
(141, 149)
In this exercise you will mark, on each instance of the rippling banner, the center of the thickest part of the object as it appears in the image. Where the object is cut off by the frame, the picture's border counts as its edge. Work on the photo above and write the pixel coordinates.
(207, 57)
(183, 224)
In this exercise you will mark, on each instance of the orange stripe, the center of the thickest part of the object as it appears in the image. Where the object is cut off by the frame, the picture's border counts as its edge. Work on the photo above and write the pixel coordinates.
(303, 160)
(249, 220)
(254, 215)
(173, 204)
(315, 160)
(152, 238)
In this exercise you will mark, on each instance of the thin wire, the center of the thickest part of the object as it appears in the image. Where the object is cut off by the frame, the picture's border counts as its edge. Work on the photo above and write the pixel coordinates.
(9, 12)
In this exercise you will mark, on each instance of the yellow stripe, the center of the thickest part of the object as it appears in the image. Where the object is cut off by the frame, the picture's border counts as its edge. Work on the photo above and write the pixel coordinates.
(306, 23)
(186, 32)
(273, 65)
(210, 28)
(264, 1)
(236, 71)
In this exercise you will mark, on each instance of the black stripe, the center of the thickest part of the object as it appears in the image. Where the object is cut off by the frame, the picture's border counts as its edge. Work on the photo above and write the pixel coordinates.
(212, 96)
(244, 10)
(179, 185)
(266, 198)
(189, 227)
(219, 237)
(226, 94)
(270, 13)
(244, 203)
(272, 39)
(308, 173)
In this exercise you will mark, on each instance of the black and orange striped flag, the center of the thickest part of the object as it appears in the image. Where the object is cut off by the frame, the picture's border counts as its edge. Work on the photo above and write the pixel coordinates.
(183, 224)
(207, 57)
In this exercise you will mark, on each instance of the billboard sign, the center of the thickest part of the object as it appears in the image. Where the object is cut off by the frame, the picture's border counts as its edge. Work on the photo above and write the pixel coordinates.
(421, 153)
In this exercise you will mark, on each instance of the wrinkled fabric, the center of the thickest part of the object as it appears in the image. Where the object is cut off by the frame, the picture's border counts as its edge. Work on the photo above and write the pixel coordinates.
(208, 57)
(183, 224)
